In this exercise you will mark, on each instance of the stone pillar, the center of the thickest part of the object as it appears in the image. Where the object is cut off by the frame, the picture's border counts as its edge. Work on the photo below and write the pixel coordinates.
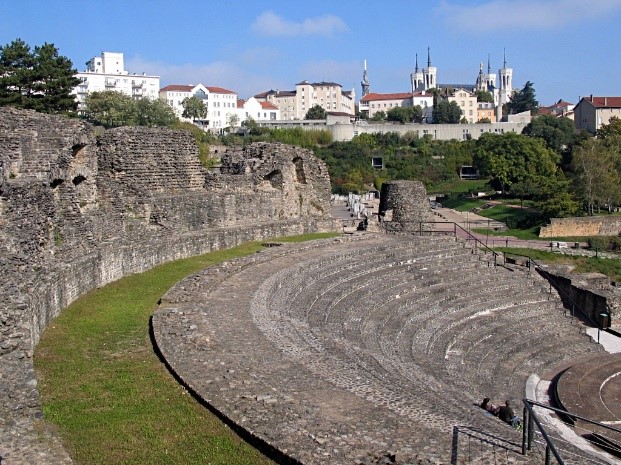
(405, 204)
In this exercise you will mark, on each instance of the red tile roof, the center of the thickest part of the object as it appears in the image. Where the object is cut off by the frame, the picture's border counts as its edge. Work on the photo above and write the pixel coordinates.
(268, 106)
(397, 96)
(219, 90)
(604, 102)
(240, 103)
(177, 88)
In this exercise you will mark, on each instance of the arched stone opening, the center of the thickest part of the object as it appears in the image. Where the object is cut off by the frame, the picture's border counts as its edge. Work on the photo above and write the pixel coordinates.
(300, 175)
(56, 182)
(79, 179)
(78, 150)
(275, 178)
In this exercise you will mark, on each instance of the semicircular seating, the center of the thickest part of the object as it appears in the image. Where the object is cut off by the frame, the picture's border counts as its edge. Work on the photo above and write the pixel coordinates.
(336, 350)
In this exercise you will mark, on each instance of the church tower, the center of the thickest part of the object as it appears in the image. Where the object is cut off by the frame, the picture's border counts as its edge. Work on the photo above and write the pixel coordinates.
(490, 77)
(417, 78)
(506, 84)
(366, 85)
(429, 74)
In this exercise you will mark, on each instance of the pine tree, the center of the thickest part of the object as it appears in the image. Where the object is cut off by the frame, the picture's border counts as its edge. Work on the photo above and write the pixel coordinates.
(524, 100)
(41, 80)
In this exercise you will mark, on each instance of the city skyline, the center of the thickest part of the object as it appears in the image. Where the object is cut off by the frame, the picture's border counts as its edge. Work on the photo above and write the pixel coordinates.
(567, 48)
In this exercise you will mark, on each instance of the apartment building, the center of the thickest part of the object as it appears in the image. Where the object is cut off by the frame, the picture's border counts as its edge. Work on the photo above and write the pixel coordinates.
(107, 72)
(219, 102)
(294, 104)
(467, 102)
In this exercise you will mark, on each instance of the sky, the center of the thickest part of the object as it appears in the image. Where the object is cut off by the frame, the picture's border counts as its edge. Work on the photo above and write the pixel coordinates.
(566, 48)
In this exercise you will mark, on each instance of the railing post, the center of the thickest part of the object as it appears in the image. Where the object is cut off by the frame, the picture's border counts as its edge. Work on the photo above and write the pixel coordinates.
(530, 432)
(524, 428)
(547, 455)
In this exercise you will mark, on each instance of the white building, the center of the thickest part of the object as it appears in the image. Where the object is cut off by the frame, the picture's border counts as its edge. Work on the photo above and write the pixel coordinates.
(257, 110)
(373, 103)
(220, 103)
(467, 103)
(295, 104)
(107, 72)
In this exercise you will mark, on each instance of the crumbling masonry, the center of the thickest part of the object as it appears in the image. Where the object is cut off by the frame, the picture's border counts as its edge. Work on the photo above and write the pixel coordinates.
(81, 207)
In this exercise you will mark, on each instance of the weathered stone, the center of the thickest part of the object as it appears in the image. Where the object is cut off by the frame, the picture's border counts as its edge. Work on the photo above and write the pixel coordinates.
(81, 207)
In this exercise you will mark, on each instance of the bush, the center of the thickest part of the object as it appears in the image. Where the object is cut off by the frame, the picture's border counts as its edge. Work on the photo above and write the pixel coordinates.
(599, 242)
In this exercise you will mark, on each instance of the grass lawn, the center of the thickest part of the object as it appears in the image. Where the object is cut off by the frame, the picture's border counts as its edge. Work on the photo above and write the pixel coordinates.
(611, 267)
(106, 391)
(460, 186)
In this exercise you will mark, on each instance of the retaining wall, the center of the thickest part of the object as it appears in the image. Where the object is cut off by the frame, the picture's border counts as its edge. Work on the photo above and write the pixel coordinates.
(582, 226)
(81, 207)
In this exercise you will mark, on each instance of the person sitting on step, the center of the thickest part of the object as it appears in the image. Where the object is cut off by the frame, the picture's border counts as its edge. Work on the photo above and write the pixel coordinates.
(506, 414)
(489, 407)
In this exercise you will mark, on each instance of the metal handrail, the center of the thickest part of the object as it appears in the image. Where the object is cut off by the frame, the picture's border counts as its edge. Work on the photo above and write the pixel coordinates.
(554, 284)
(469, 236)
(527, 433)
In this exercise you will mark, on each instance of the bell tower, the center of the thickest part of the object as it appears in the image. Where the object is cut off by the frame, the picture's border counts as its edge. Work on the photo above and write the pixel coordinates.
(429, 74)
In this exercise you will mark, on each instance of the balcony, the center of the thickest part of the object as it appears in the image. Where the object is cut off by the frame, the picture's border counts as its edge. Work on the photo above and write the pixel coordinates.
(110, 82)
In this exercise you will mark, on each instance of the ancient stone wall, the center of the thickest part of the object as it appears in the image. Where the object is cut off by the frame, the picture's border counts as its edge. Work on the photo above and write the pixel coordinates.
(404, 204)
(590, 294)
(582, 226)
(81, 207)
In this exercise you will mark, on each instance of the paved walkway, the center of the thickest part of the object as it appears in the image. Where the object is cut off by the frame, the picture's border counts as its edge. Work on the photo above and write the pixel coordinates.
(360, 349)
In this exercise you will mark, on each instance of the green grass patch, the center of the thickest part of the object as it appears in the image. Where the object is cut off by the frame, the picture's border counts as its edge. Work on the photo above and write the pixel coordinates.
(462, 204)
(107, 393)
(531, 234)
(459, 186)
(611, 267)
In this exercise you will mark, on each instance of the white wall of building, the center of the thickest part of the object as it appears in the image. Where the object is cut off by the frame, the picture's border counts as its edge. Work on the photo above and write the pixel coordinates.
(107, 73)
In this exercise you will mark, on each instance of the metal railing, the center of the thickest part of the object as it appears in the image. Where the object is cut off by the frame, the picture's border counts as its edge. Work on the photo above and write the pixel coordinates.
(531, 420)
(417, 227)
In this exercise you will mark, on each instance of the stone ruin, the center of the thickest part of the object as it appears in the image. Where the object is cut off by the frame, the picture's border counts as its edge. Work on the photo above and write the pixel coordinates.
(81, 207)
(404, 204)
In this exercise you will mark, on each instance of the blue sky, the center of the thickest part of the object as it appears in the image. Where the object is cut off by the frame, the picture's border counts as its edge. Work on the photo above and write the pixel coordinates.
(567, 48)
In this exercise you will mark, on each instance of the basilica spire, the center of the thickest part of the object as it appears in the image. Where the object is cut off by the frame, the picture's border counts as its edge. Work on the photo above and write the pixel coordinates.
(416, 67)
(428, 58)
(365, 80)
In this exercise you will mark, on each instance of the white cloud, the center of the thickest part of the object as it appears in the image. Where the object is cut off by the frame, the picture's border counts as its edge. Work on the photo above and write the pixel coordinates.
(523, 14)
(270, 24)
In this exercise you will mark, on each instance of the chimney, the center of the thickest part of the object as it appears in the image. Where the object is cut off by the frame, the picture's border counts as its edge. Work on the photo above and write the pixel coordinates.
(605, 101)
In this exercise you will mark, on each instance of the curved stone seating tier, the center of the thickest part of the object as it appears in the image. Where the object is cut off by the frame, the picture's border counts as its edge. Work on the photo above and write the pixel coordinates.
(575, 387)
(339, 350)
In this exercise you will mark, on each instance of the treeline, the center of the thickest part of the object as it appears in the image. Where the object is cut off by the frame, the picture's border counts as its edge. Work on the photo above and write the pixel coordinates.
(562, 172)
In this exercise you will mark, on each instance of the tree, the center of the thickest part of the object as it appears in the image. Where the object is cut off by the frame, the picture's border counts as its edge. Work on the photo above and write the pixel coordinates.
(558, 133)
(484, 120)
(446, 112)
(110, 109)
(379, 116)
(233, 120)
(610, 130)
(405, 114)
(193, 108)
(316, 112)
(523, 100)
(484, 96)
(153, 113)
(513, 158)
(40, 80)
(597, 178)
